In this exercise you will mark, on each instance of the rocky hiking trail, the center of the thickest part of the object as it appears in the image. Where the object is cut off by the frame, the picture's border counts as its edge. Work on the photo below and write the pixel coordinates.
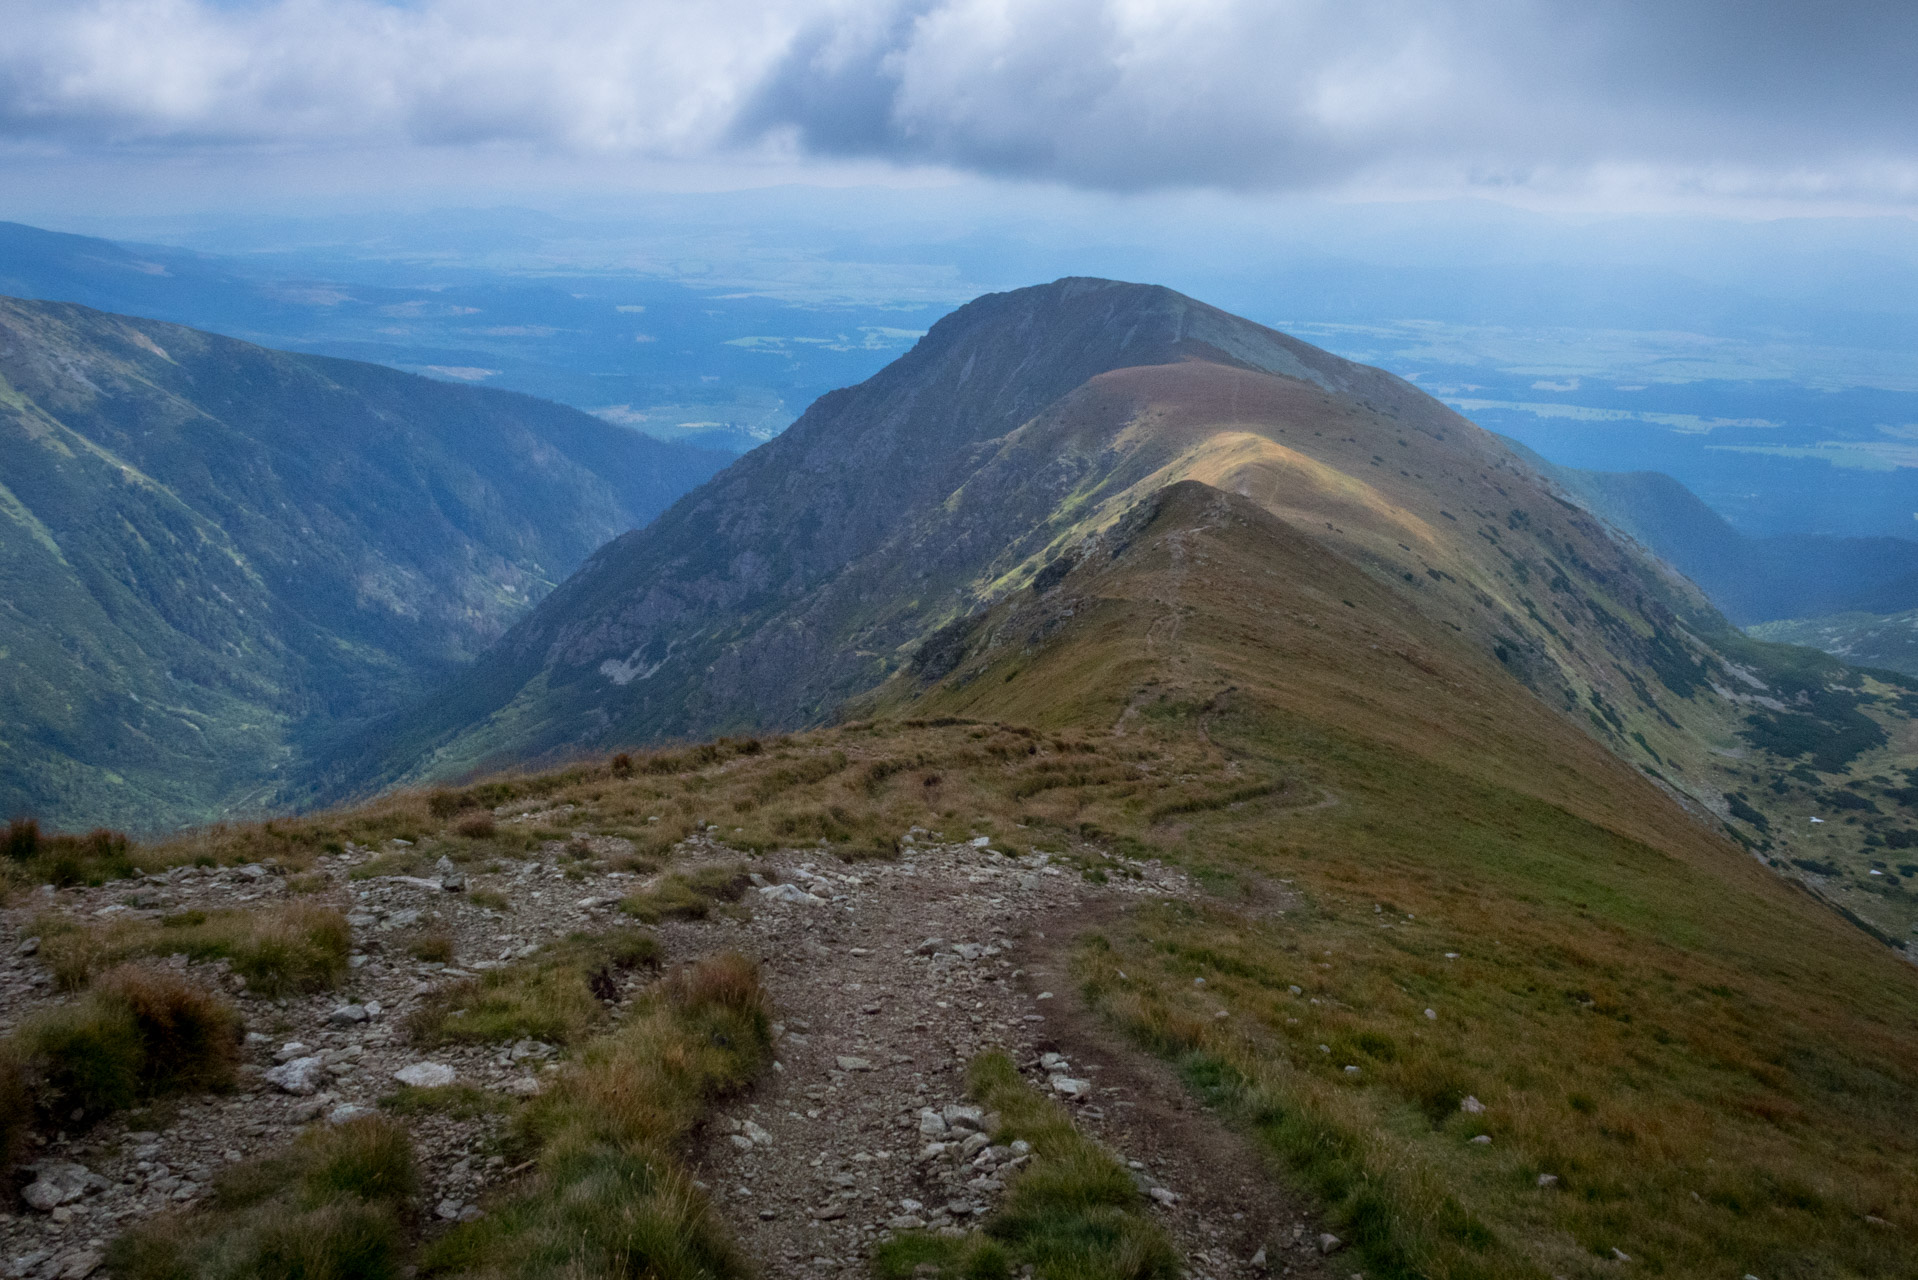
(887, 978)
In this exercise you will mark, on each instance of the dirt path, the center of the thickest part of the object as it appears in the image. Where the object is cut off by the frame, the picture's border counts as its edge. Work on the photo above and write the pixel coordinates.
(885, 993)
(887, 979)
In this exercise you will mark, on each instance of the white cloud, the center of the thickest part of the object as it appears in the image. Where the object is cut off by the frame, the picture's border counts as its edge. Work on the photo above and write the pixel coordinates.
(1756, 100)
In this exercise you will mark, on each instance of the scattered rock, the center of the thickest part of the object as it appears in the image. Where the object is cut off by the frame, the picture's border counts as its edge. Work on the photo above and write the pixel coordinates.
(348, 1014)
(347, 1112)
(1621, 1255)
(81, 1265)
(852, 1064)
(1548, 1179)
(791, 893)
(1257, 1260)
(1329, 1243)
(300, 1076)
(1472, 1106)
(1483, 1140)
(426, 1075)
(58, 1182)
(1068, 1087)
(1163, 1196)
(451, 878)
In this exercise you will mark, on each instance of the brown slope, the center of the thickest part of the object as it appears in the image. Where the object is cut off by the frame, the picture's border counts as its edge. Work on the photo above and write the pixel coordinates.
(1646, 1012)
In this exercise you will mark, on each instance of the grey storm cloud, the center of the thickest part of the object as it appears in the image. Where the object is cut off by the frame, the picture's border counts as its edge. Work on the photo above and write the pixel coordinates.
(1764, 95)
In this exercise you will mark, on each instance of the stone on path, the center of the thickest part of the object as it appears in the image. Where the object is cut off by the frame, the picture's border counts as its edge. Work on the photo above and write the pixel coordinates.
(299, 1076)
(425, 1075)
(58, 1182)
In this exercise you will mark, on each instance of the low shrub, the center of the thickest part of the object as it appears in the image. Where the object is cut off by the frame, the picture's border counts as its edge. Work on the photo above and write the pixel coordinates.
(478, 825)
(435, 946)
(94, 858)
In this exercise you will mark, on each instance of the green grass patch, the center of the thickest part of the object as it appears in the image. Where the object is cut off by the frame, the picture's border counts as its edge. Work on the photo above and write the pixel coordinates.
(460, 1101)
(336, 1206)
(1073, 1214)
(609, 1198)
(687, 895)
(558, 996)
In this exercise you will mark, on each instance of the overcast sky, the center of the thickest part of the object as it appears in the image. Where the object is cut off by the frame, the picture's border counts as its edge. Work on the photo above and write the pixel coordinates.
(1599, 103)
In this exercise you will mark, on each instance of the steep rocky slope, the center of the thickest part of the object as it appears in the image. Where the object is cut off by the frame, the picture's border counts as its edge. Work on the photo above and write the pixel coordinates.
(211, 554)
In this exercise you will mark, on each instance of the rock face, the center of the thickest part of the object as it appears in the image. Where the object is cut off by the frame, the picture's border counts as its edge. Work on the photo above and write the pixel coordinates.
(228, 547)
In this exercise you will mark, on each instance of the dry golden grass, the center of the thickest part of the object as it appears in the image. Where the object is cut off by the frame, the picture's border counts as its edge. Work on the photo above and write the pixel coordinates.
(297, 947)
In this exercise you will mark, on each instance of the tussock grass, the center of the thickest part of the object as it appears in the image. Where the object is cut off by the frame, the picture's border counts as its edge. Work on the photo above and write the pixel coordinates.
(557, 996)
(689, 895)
(292, 948)
(608, 1198)
(1074, 1214)
(333, 1207)
(137, 1035)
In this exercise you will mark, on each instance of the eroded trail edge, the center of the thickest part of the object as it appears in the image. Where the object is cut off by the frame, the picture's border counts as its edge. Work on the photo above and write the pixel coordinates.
(889, 978)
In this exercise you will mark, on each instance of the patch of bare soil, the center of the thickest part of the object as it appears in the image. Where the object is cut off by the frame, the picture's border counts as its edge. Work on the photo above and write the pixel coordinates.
(886, 992)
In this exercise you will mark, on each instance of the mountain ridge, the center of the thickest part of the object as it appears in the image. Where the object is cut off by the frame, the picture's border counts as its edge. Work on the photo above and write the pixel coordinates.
(213, 549)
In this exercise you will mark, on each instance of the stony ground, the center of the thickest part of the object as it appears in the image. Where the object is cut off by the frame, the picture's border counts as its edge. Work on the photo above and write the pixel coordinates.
(887, 977)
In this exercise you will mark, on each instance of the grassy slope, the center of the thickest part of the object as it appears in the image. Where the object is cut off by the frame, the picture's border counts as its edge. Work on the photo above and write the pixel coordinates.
(1646, 1012)
(210, 552)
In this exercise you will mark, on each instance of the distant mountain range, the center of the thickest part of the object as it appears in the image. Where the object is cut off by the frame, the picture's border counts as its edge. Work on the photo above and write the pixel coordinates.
(954, 516)
(212, 554)
(718, 368)
(1752, 580)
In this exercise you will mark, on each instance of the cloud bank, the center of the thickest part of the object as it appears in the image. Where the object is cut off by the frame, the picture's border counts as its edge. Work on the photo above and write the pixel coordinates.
(1764, 98)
